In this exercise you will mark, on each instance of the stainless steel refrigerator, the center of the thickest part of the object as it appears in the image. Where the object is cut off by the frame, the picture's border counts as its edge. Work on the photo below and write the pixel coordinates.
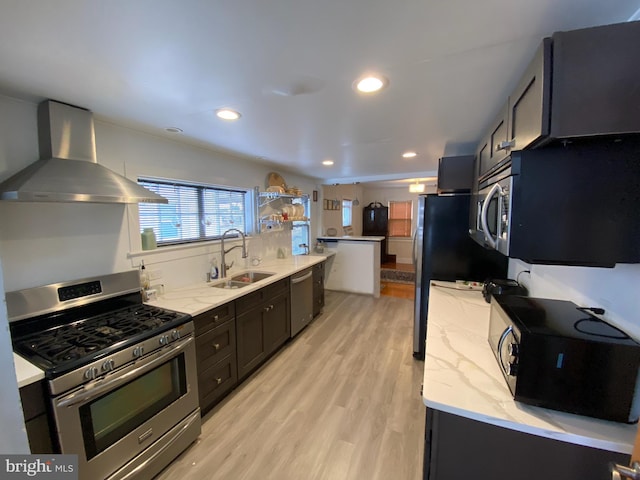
(443, 250)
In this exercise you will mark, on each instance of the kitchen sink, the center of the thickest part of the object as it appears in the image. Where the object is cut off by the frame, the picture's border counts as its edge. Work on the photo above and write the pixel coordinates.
(250, 276)
(230, 284)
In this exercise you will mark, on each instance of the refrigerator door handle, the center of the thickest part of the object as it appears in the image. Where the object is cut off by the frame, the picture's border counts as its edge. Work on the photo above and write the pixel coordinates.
(414, 257)
(485, 212)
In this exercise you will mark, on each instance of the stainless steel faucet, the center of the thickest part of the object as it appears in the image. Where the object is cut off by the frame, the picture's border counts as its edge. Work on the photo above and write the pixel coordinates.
(224, 266)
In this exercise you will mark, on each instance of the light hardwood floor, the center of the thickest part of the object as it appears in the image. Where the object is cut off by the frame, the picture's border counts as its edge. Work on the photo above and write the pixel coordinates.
(340, 401)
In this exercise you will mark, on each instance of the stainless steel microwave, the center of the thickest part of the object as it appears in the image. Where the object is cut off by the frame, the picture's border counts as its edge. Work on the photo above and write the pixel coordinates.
(565, 204)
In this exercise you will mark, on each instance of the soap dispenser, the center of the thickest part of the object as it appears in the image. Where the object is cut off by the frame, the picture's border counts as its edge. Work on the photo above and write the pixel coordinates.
(214, 268)
(144, 281)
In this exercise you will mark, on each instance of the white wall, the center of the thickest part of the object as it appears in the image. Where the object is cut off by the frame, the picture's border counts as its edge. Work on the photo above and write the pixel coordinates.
(617, 290)
(42, 243)
(333, 218)
(13, 435)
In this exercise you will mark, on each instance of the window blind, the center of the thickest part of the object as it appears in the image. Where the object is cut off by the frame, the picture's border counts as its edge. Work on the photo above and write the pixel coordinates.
(400, 214)
(194, 212)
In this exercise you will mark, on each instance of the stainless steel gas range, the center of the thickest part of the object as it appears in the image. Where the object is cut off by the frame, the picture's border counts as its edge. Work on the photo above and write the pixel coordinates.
(121, 375)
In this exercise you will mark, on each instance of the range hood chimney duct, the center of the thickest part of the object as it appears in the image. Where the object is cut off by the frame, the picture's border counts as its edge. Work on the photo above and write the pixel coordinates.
(68, 170)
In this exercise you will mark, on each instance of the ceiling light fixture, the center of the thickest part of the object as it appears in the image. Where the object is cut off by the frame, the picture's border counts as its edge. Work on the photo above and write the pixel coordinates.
(409, 154)
(327, 162)
(371, 83)
(228, 114)
(416, 187)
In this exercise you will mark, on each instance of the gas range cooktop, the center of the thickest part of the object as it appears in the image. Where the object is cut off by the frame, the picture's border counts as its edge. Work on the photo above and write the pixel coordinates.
(100, 320)
(64, 347)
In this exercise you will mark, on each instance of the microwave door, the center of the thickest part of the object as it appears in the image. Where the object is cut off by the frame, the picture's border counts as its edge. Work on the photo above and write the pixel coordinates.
(493, 242)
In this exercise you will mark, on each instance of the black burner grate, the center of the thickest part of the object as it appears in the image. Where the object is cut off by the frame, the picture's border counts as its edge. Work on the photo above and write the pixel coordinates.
(86, 338)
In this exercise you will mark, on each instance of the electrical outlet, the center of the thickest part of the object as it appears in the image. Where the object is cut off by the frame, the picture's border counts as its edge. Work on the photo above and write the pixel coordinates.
(154, 274)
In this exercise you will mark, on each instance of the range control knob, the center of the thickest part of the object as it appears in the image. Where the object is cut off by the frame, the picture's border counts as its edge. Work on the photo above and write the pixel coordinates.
(138, 351)
(513, 349)
(108, 365)
(512, 369)
(91, 373)
(175, 335)
(164, 340)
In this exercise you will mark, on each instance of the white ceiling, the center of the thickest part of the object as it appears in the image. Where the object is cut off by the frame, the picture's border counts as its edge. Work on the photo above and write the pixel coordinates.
(288, 67)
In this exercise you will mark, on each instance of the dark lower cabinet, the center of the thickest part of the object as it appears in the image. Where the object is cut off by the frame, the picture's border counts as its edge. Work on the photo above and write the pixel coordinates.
(215, 354)
(277, 323)
(263, 325)
(318, 288)
(251, 352)
(458, 447)
(36, 418)
(234, 339)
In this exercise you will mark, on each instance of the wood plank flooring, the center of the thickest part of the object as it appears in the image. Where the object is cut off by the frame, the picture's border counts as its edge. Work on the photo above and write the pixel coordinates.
(341, 401)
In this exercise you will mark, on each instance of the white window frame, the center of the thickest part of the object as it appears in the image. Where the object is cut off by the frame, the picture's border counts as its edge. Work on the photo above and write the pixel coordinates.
(202, 223)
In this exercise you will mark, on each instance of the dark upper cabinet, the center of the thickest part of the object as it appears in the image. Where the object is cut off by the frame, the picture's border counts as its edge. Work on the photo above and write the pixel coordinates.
(529, 103)
(580, 83)
(455, 174)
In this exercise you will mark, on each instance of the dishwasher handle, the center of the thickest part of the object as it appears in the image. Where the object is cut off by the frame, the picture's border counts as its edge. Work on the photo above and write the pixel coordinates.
(302, 278)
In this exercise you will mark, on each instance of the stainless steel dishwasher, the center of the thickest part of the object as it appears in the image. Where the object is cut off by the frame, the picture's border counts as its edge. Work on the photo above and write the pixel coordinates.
(301, 300)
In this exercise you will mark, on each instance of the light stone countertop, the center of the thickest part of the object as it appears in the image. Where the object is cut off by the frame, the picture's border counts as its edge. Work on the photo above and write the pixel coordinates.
(26, 372)
(462, 377)
(352, 238)
(199, 298)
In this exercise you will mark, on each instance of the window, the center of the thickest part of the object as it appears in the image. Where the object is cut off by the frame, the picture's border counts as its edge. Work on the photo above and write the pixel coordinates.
(194, 212)
(300, 231)
(400, 218)
(347, 210)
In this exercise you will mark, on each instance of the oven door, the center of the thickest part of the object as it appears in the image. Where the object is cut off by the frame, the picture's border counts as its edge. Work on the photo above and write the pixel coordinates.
(493, 215)
(112, 420)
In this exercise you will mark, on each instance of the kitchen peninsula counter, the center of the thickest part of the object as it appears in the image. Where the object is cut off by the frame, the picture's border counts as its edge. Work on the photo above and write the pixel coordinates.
(462, 377)
(356, 266)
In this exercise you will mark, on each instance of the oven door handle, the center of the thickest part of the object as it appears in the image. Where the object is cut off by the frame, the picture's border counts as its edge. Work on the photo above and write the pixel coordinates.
(122, 378)
(485, 212)
(503, 337)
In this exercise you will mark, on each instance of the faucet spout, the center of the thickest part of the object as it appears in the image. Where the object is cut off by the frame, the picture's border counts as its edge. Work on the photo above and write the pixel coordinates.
(223, 252)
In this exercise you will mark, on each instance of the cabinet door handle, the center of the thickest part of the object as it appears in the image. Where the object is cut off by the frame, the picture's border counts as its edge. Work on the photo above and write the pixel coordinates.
(506, 145)
(215, 318)
(216, 346)
(266, 309)
(218, 380)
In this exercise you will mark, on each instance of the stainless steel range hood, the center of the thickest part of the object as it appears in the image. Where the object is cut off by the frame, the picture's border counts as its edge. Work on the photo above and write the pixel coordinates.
(68, 170)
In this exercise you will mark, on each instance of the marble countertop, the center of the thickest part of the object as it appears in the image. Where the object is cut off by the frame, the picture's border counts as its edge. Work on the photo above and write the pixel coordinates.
(353, 238)
(462, 377)
(26, 372)
(199, 298)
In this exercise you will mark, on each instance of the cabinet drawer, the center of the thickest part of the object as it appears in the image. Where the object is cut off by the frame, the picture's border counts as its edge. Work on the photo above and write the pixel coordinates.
(251, 300)
(213, 318)
(214, 345)
(214, 382)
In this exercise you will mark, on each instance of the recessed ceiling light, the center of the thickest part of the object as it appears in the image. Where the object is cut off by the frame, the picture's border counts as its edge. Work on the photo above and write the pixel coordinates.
(227, 114)
(371, 83)
(409, 154)
(327, 162)
(173, 130)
